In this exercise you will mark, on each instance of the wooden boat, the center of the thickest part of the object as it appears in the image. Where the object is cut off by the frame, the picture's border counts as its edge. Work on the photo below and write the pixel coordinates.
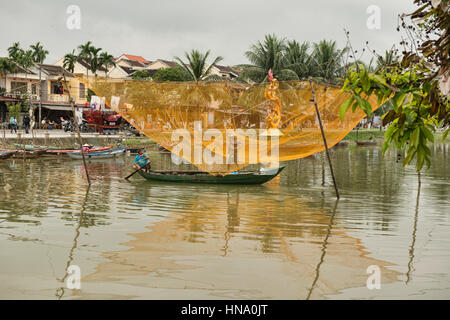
(204, 177)
(98, 155)
(29, 154)
(7, 154)
(342, 144)
(367, 143)
(66, 151)
(55, 150)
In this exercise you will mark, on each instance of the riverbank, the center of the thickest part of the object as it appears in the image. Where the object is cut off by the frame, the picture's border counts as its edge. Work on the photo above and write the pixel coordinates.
(59, 138)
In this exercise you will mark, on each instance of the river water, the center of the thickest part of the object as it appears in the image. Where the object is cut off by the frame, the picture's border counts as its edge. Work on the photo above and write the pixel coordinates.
(286, 239)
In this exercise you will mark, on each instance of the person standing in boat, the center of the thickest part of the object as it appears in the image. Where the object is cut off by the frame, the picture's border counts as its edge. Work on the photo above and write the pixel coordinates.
(142, 161)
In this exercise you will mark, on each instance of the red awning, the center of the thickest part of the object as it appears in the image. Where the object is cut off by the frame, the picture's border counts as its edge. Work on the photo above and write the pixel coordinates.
(9, 99)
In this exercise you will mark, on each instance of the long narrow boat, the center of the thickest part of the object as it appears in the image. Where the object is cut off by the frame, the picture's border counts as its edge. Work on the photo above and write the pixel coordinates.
(55, 150)
(367, 143)
(7, 154)
(29, 154)
(204, 177)
(98, 155)
(66, 151)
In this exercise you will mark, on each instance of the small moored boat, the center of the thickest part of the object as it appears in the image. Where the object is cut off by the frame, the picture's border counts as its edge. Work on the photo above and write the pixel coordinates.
(98, 154)
(257, 177)
(7, 154)
(367, 143)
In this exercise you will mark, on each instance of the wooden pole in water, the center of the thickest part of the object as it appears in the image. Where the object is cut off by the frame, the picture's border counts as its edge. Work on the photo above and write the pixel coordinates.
(80, 142)
(324, 138)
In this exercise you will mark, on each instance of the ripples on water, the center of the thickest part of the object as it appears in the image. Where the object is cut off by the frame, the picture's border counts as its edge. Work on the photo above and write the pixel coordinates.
(287, 239)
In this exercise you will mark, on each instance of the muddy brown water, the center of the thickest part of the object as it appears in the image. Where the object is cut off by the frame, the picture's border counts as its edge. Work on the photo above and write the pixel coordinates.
(287, 239)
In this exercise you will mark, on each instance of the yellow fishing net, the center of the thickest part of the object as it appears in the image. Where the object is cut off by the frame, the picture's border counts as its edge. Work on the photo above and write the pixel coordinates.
(221, 127)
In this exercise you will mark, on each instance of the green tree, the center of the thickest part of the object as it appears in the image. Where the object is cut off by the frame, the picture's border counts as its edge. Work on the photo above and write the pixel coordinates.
(327, 61)
(171, 74)
(298, 59)
(417, 85)
(95, 61)
(141, 75)
(15, 52)
(69, 61)
(107, 60)
(39, 55)
(197, 66)
(387, 60)
(7, 66)
(269, 55)
(85, 54)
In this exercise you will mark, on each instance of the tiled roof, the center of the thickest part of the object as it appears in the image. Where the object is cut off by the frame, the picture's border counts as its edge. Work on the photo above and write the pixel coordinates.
(86, 65)
(19, 68)
(171, 64)
(136, 58)
(53, 70)
(134, 63)
(227, 69)
(128, 70)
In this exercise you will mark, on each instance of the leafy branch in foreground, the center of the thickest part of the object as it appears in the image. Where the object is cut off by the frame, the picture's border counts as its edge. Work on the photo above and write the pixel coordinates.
(418, 85)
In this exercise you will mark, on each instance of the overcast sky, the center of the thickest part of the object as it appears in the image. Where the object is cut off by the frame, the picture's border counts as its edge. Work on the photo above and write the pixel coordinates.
(164, 29)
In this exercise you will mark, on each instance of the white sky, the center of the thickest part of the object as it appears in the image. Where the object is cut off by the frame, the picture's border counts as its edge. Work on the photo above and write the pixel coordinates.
(164, 29)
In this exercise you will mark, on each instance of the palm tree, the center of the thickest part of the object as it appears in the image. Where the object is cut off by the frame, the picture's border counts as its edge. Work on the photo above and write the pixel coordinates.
(7, 66)
(327, 61)
(15, 52)
(269, 55)
(69, 61)
(107, 60)
(39, 55)
(298, 59)
(388, 60)
(85, 54)
(95, 61)
(197, 66)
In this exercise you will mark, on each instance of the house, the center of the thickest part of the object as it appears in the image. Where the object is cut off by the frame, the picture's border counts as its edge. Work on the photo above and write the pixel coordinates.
(161, 64)
(131, 64)
(49, 95)
(130, 57)
(225, 72)
(121, 72)
(21, 82)
(82, 67)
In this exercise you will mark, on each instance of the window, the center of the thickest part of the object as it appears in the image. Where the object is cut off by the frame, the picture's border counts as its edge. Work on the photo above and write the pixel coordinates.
(33, 88)
(82, 90)
(18, 87)
(57, 88)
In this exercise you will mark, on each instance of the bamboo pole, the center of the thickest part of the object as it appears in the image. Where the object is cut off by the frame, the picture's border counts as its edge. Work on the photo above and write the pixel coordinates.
(323, 137)
(80, 142)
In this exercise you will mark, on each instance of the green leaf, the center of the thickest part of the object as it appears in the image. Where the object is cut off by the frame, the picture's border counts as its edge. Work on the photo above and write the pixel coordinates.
(427, 133)
(380, 79)
(415, 137)
(420, 160)
(345, 106)
(444, 136)
(409, 155)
